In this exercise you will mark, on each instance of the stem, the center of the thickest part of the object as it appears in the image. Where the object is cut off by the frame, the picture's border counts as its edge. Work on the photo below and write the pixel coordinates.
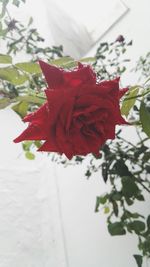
(143, 185)
(128, 142)
(141, 95)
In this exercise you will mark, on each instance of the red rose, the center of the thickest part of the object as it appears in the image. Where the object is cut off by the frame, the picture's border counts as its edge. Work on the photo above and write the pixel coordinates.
(79, 115)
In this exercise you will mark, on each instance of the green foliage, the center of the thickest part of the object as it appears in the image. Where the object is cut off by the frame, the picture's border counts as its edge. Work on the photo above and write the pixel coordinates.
(29, 155)
(12, 75)
(5, 59)
(145, 118)
(21, 108)
(139, 260)
(116, 228)
(29, 67)
(129, 100)
(110, 61)
(143, 66)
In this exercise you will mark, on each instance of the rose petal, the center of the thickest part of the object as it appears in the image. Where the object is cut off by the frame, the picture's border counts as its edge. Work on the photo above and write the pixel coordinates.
(53, 75)
(33, 132)
(82, 75)
(123, 91)
(41, 114)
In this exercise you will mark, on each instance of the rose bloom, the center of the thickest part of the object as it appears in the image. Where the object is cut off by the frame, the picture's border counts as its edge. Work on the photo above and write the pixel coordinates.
(79, 115)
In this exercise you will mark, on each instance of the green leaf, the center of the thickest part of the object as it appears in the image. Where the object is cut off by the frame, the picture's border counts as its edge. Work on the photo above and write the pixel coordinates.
(29, 67)
(37, 143)
(145, 118)
(66, 62)
(4, 102)
(148, 222)
(31, 99)
(121, 169)
(129, 201)
(100, 200)
(30, 21)
(88, 60)
(146, 156)
(139, 260)
(116, 228)
(140, 197)
(137, 226)
(21, 108)
(27, 145)
(127, 104)
(116, 196)
(5, 59)
(12, 75)
(29, 155)
(129, 187)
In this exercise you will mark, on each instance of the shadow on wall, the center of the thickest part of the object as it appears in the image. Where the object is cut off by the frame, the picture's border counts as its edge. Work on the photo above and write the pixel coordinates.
(78, 25)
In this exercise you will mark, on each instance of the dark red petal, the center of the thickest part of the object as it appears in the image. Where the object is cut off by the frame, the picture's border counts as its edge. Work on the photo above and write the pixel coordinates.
(53, 75)
(33, 132)
(110, 131)
(66, 112)
(123, 91)
(79, 144)
(110, 87)
(40, 114)
(63, 141)
(55, 102)
(82, 75)
(49, 146)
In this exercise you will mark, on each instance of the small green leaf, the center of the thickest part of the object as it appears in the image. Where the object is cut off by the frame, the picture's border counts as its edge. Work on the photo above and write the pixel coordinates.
(116, 196)
(88, 60)
(100, 200)
(140, 197)
(30, 21)
(21, 108)
(29, 155)
(67, 62)
(5, 59)
(27, 145)
(29, 67)
(121, 168)
(129, 187)
(137, 226)
(145, 118)
(129, 103)
(4, 102)
(37, 143)
(31, 99)
(12, 75)
(116, 228)
(139, 260)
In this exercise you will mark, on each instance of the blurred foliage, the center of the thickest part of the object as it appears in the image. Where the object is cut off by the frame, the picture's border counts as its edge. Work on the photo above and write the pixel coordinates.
(124, 165)
(110, 60)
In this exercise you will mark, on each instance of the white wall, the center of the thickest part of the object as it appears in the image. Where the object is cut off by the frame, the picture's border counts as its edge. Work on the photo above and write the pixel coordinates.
(47, 214)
